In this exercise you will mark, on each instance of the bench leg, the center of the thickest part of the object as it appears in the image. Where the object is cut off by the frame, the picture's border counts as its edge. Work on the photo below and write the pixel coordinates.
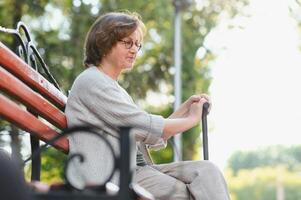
(126, 169)
(36, 160)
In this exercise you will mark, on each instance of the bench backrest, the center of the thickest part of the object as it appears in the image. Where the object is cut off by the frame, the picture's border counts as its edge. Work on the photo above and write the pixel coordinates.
(36, 105)
(30, 101)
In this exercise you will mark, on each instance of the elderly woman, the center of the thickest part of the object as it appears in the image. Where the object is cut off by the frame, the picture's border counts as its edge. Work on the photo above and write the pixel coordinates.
(96, 99)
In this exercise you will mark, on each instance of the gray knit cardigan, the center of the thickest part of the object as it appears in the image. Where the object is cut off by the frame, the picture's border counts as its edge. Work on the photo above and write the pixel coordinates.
(96, 99)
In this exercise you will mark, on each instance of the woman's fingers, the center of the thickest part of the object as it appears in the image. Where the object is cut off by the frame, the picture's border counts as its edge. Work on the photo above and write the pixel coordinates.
(194, 98)
(205, 96)
(208, 99)
(197, 98)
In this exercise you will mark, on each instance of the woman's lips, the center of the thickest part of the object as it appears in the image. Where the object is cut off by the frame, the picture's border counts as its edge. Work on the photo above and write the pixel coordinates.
(131, 59)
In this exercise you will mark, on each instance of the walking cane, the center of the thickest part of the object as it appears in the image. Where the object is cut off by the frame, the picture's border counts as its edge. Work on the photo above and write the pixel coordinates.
(204, 130)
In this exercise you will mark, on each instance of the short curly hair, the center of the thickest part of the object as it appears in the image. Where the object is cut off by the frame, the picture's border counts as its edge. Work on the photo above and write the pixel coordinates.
(106, 31)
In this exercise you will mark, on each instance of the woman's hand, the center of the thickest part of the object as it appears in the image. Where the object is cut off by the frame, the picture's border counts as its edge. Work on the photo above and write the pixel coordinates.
(183, 110)
(194, 99)
(196, 109)
(206, 96)
(192, 117)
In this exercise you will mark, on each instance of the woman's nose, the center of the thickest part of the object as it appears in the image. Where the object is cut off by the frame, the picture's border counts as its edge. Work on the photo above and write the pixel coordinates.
(134, 49)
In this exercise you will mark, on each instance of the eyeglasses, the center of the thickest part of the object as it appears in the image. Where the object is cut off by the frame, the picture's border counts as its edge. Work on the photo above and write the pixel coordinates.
(129, 44)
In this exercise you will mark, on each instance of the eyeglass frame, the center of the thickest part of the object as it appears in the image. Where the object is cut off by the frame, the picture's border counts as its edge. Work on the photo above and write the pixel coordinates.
(129, 44)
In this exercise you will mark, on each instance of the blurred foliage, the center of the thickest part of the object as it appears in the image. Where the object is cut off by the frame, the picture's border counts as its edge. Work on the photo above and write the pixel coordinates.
(53, 162)
(59, 28)
(3, 132)
(52, 165)
(263, 173)
(295, 10)
(270, 156)
(264, 183)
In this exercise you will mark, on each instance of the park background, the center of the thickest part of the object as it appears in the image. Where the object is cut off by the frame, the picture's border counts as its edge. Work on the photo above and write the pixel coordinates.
(245, 54)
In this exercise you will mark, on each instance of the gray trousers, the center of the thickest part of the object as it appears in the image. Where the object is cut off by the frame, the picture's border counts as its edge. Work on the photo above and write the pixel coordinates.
(189, 180)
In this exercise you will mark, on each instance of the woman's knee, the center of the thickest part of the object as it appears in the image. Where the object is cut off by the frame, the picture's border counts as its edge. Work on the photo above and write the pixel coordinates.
(178, 190)
(206, 167)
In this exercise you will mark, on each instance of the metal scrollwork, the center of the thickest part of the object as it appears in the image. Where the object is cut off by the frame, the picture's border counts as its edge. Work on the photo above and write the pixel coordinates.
(28, 51)
(74, 130)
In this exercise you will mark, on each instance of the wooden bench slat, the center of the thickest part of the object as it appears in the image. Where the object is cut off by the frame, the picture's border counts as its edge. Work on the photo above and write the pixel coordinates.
(28, 122)
(15, 65)
(26, 87)
(31, 99)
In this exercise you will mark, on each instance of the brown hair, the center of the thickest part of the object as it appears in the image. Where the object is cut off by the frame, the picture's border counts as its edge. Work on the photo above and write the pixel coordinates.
(105, 33)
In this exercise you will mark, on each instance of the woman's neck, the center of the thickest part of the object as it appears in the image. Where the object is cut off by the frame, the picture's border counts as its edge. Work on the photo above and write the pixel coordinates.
(109, 70)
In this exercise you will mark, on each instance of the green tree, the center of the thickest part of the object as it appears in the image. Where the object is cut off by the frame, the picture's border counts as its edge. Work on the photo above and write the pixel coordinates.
(264, 183)
(269, 156)
(52, 166)
(11, 14)
(295, 9)
(59, 29)
(64, 54)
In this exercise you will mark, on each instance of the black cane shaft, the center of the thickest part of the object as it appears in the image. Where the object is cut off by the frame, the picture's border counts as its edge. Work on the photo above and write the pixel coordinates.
(205, 131)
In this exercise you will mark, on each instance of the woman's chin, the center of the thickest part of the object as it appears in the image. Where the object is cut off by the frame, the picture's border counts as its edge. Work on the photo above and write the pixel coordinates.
(128, 67)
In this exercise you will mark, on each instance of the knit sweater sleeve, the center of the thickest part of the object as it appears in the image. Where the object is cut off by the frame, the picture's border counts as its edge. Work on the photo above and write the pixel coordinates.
(109, 104)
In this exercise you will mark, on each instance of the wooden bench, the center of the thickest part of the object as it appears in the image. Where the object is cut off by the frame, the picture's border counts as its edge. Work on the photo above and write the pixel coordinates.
(36, 106)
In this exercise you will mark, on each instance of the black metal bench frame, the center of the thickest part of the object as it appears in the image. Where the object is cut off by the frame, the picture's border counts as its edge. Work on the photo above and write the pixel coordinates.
(22, 71)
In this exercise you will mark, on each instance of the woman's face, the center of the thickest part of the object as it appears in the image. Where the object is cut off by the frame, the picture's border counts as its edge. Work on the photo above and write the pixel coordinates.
(123, 54)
